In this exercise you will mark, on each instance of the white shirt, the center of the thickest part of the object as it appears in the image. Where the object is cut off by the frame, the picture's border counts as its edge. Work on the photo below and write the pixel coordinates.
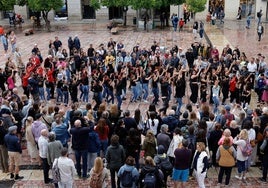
(43, 145)
(67, 169)
(153, 127)
(252, 67)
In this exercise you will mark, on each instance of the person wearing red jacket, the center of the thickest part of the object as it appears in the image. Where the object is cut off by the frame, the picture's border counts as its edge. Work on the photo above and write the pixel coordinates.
(232, 88)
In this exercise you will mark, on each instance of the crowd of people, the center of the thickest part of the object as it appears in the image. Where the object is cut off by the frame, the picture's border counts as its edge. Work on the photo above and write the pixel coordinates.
(176, 139)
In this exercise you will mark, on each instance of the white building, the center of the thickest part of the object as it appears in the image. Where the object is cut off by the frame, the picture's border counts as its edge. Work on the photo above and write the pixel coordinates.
(81, 10)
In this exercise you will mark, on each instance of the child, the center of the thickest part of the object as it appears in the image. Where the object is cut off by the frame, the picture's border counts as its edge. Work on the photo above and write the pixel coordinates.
(181, 24)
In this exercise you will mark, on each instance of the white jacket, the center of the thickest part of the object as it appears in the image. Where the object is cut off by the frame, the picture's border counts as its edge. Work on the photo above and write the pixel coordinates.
(67, 169)
(200, 164)
(174, 144)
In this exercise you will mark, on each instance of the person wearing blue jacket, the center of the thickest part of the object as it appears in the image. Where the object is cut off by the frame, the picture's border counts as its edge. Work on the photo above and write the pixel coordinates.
(61, 130)
(14, 152)
(129, 166)
(93, 148)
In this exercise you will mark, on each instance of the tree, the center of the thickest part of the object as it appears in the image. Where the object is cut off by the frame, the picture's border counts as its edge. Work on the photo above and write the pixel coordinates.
(118, 3)
(45, 6)
(7, 4)
(196, 5)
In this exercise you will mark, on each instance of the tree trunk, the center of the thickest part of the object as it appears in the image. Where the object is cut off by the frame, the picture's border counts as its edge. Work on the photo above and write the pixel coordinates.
(45, 17)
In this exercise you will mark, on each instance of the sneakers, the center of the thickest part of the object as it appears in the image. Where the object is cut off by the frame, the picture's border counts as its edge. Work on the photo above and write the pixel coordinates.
(17, 177)
(262, 179)
(238, 177)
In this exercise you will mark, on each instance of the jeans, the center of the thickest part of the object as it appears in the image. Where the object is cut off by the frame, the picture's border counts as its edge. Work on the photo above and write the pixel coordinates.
(42, 93)
(216, 104)
(134, 92)
(113, 171)
(110, 94)
(156, 95)
(48, 93)
(139, 89)
(146, 90)
(103, 147)
(90, 160)
(85, 89)
(119, 101)
(78, 155)
(82, 91)
(178, 110)
(59, 95)
(227, 171)
(45, 169)
(65, 97)
(105, 91)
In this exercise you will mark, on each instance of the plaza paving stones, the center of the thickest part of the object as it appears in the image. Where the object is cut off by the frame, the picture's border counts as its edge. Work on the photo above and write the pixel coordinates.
(231, 32)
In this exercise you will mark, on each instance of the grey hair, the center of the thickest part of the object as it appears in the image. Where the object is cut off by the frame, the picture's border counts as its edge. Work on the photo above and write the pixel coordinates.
(105, 114)
(164, 128)
(51, 136)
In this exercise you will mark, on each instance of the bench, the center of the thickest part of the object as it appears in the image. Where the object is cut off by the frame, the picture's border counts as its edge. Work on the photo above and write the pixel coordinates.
(28, 32)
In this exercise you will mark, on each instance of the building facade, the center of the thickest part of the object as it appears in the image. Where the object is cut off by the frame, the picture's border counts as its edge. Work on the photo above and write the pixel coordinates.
(81, 10)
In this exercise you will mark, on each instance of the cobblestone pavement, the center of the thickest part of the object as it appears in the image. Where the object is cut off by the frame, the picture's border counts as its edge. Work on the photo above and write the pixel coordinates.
(231, 32)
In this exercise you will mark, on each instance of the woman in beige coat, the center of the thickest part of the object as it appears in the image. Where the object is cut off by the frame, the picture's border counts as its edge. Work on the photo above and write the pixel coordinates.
(31, 145)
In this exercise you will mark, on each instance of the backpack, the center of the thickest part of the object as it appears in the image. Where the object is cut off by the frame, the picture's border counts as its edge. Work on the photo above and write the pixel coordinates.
(126, 178)
(149, 180)
(56, 172)
(247, 150)
(191, 145)
(165, 165)
(95, 180)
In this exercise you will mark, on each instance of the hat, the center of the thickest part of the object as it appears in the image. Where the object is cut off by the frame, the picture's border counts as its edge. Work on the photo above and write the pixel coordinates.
(227, 107)
(161, 149)
(12, 128)
(37, 116)
(249, 112)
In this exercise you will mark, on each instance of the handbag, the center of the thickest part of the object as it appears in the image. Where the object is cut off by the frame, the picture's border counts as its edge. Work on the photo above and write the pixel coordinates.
(56, 172)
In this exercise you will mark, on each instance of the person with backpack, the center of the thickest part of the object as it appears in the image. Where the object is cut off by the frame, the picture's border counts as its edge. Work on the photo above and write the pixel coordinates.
(128, 174)
(98, 174)
(150, 175)
(162, 161)
(182, 164)
(226, 156)
(66, 168)
(115, 157)
(241, 142)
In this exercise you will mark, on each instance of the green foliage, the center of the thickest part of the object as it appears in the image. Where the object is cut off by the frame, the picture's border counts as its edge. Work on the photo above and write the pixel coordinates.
(115, 3)
(21, 2)
(45, 5)
(7, 4)
(196, 5)
(148, 4)
(95, 4)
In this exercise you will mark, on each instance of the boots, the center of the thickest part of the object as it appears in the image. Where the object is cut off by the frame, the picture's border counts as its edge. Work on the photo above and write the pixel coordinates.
(17, 177)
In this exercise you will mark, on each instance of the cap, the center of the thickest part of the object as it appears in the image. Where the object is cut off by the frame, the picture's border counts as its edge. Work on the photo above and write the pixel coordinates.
(12, 128)
(227, 107)
(249, 112)
(37, 116)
